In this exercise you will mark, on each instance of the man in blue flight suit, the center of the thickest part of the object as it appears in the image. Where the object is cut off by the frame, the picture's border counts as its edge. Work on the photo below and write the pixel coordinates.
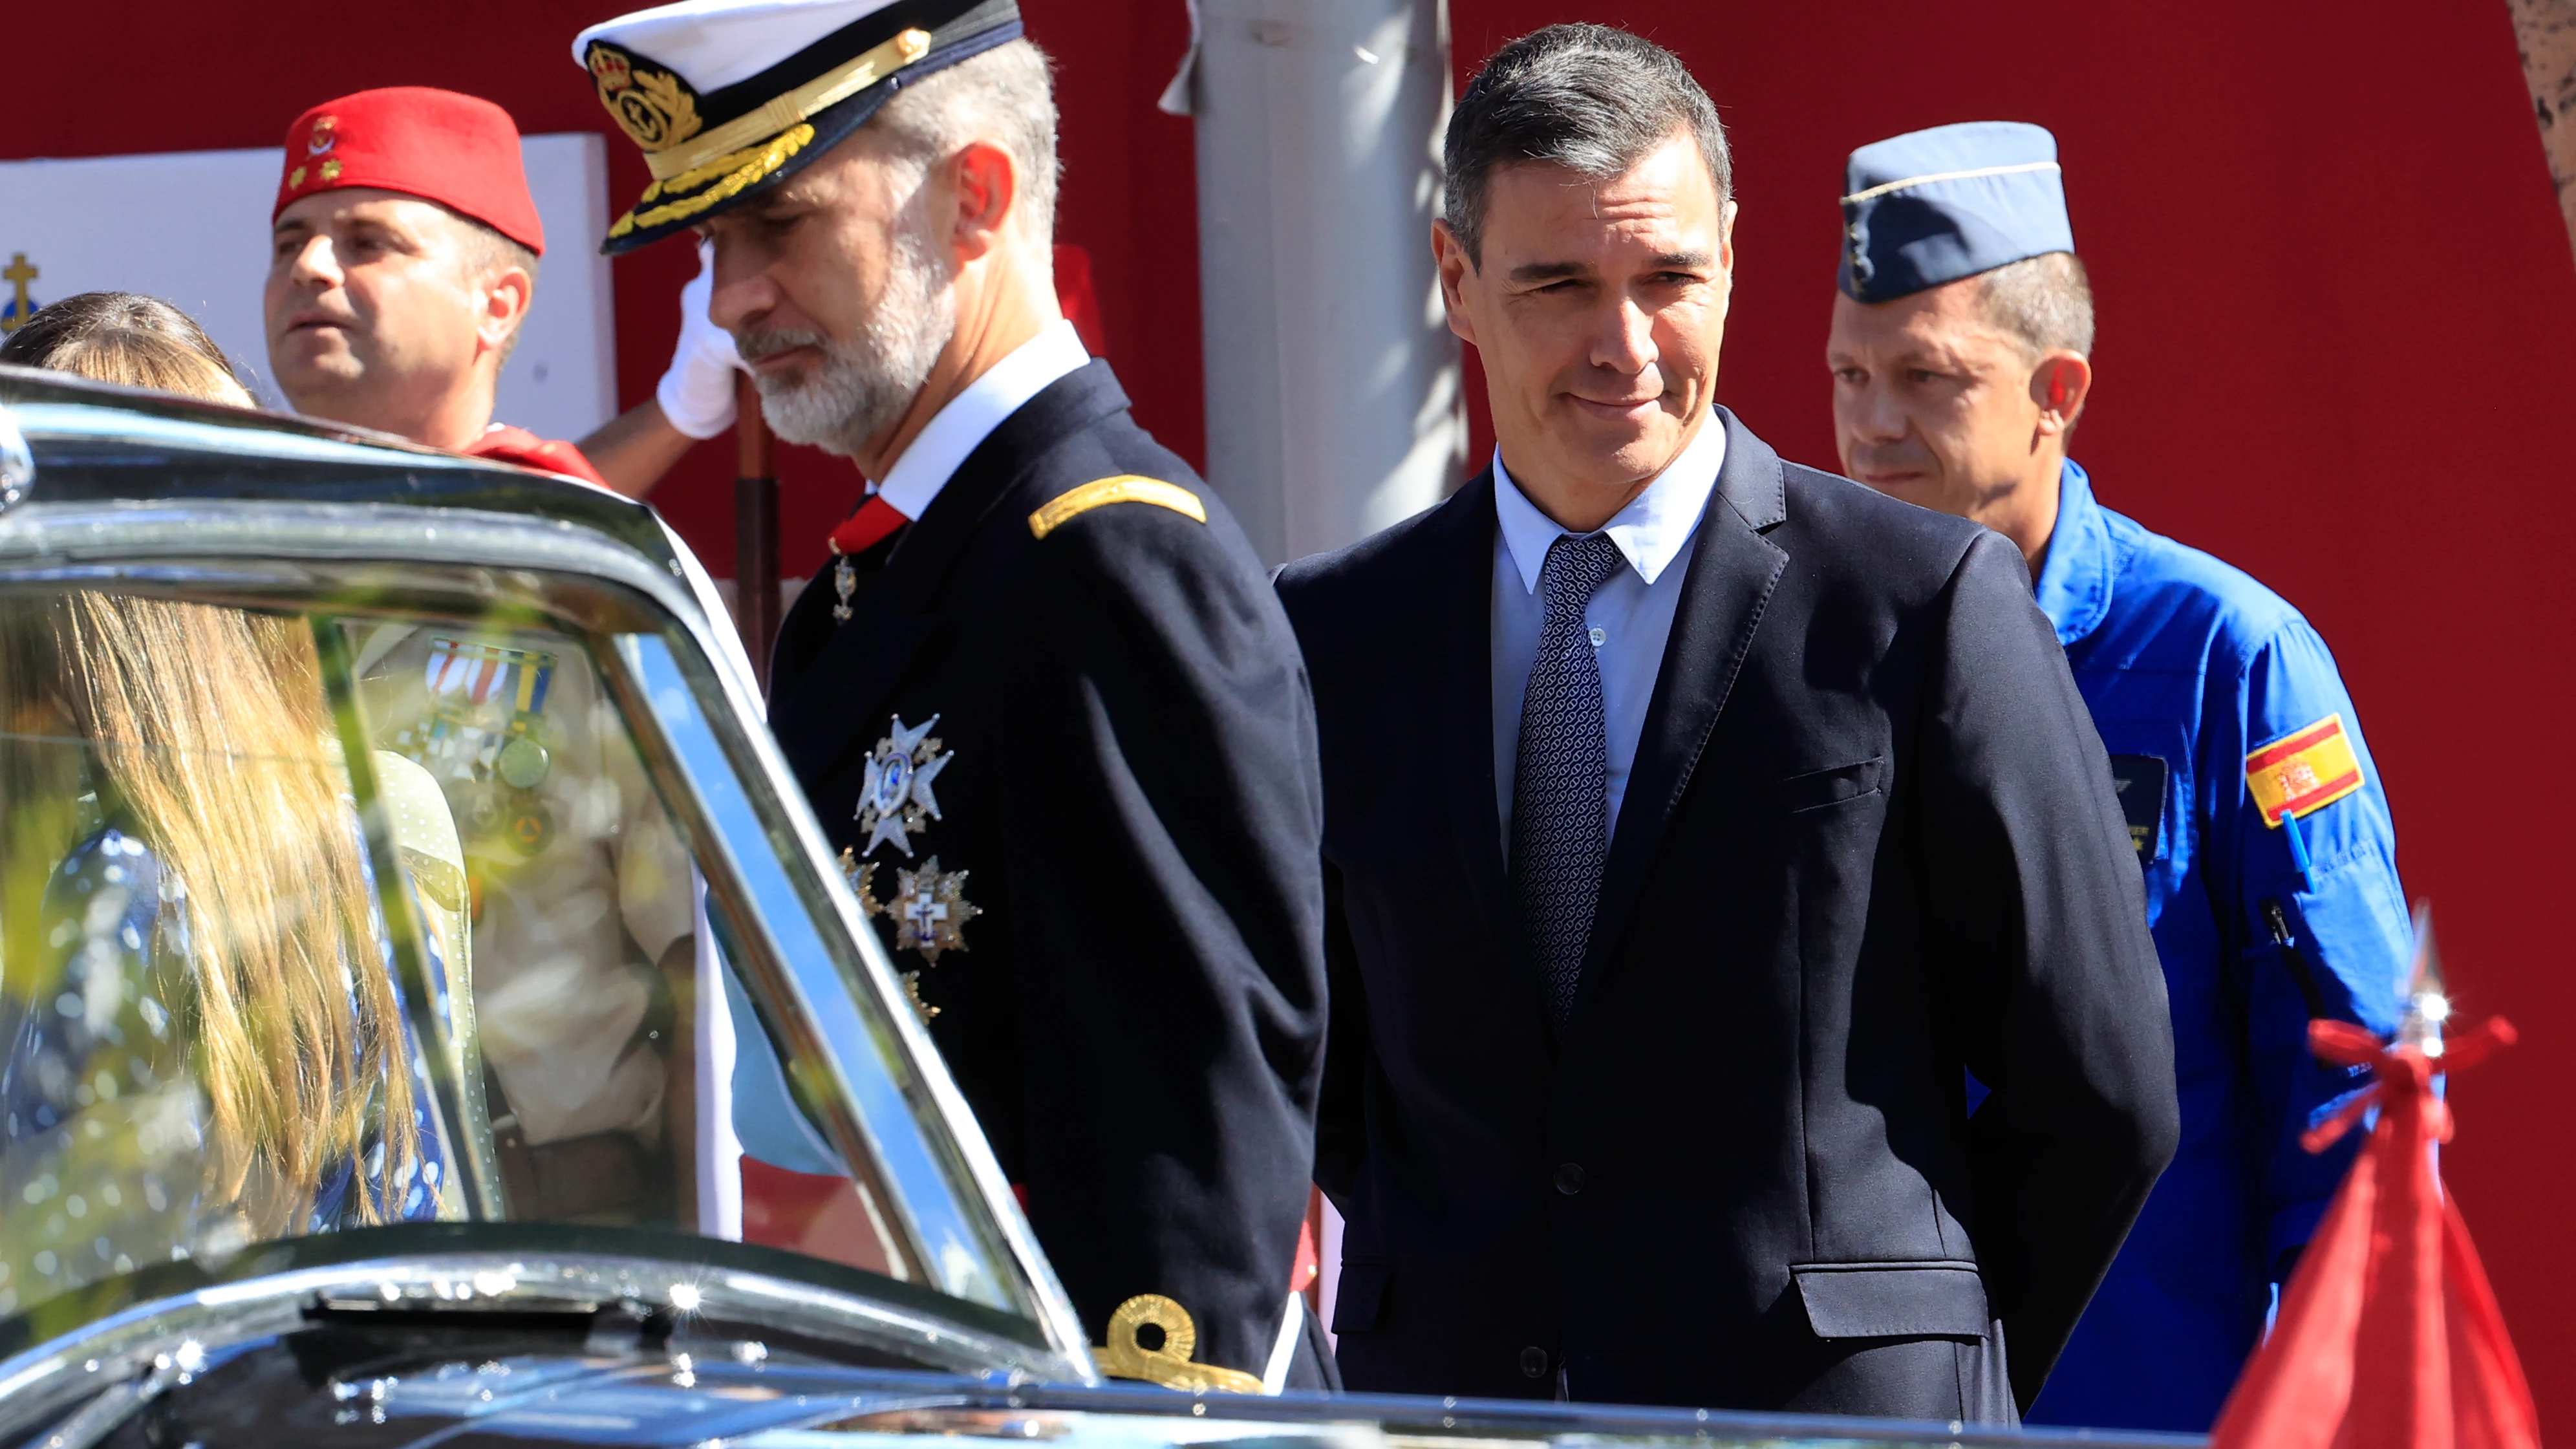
(1960, 361)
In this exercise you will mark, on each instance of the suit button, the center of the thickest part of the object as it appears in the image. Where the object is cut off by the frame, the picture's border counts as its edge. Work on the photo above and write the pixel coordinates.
(1569, 1178)
(1534, 1362)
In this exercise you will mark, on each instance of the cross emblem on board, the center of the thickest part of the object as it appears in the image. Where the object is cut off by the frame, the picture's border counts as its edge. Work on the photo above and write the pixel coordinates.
(21, 305)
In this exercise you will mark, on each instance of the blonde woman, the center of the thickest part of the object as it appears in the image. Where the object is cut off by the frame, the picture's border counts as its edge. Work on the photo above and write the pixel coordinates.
(209, 1046)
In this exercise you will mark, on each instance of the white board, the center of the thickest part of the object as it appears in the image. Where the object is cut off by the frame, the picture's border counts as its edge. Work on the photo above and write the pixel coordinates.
(190, 227)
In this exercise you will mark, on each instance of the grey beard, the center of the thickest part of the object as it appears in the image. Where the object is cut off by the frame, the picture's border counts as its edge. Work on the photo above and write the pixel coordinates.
(865, 383)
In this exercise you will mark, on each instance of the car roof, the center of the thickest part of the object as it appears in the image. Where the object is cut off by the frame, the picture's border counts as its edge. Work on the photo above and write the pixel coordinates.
(89, 444)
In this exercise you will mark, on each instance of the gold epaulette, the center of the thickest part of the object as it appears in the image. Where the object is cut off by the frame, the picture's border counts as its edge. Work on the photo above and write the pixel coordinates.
(1125, 1356)
(1125, 488)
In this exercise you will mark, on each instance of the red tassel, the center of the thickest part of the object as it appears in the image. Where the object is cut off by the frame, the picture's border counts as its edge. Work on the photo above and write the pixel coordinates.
(2388, 1336)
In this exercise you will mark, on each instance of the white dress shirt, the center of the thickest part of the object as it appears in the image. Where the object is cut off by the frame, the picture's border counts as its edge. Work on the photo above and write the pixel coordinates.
(1631, 614)
(970, 417)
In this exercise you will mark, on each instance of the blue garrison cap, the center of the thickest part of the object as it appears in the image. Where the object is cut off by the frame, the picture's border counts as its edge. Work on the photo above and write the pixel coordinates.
(1933, 206)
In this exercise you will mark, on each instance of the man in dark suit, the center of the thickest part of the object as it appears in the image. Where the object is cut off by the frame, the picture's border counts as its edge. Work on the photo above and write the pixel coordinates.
(1692, 820)
(1045, 698)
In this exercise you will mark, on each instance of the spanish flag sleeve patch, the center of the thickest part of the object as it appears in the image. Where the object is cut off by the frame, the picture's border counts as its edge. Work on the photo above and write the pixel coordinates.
(2303, 772)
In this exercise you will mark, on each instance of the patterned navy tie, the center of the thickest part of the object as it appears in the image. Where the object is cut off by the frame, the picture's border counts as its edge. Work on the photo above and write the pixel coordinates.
(1561, 782)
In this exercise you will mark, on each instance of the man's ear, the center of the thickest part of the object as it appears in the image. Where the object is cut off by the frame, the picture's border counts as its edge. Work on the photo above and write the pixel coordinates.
(1726, 249)
(2059, 385)
(988, 190)
(506, 298)
(1450, 256)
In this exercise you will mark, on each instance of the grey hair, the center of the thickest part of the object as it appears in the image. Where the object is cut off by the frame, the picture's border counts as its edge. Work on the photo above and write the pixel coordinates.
(1590, 98)
(2043, 302)
(1006, 96)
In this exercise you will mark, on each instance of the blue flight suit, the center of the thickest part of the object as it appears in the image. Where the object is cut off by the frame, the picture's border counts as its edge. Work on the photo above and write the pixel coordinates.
(2189, 667)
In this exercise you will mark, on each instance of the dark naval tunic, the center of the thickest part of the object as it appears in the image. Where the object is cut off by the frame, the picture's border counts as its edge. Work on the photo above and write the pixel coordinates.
(1068, 742)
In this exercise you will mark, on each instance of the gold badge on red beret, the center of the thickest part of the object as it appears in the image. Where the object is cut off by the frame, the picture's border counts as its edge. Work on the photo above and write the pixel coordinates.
(457, 150)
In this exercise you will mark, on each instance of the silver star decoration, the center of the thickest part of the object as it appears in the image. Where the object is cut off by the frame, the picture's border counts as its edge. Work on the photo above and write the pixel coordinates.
(895, 800)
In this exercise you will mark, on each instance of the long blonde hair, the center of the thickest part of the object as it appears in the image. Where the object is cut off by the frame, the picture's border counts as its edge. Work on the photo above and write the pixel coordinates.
(208, 737)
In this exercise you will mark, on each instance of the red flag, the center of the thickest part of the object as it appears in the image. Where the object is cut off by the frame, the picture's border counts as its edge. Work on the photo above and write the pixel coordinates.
(1074, 297)
(2388, 1335)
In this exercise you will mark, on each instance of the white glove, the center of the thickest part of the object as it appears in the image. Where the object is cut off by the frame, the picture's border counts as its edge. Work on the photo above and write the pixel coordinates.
(697, 393)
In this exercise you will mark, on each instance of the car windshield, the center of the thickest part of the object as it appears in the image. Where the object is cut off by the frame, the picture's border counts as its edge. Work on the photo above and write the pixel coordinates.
(322, 918)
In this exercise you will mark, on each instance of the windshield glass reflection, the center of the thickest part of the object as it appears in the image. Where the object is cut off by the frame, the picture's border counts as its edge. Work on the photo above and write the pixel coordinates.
(313, 924)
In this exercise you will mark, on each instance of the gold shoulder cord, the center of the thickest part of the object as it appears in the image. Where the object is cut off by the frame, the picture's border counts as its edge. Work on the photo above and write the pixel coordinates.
(1125, 488)
(1124, 1357)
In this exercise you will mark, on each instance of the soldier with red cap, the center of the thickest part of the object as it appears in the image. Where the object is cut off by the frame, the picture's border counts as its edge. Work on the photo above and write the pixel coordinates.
(404, 261)
(405, 258)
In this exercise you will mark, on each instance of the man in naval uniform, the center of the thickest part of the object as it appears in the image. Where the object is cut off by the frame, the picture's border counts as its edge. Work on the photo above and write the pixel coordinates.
(1044, 699)
(1961, 358)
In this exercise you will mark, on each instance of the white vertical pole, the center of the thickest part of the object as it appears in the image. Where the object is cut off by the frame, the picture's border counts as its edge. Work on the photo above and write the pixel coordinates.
(1333, 398)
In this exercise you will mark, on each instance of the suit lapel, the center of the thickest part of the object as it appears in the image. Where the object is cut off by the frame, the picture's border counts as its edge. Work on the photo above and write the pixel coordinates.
(841, 694)
(1458, 600)
(1733, 570)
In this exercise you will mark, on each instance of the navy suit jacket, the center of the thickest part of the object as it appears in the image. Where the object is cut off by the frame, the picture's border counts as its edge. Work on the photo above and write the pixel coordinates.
(1871, 840)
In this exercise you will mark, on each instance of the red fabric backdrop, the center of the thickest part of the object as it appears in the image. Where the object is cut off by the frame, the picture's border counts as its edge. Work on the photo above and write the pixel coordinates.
(2336, 308)
(2336, 305)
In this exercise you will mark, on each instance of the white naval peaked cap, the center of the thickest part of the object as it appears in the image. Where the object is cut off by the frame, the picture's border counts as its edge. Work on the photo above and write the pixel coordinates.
(728, 98)
(712, 44)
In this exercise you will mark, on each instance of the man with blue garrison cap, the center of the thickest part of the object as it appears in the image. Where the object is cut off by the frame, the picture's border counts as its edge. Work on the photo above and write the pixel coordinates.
(1961, 360)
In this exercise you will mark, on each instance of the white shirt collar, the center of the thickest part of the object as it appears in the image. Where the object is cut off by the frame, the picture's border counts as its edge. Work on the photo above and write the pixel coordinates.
(1651, 531)
(971, 416)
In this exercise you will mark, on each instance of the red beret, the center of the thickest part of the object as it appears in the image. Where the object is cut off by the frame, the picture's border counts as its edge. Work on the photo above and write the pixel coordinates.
(459, 151)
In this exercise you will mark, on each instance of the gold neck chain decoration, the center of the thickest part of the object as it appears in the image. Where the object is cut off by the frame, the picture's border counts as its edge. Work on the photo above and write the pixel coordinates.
(1126, 1357)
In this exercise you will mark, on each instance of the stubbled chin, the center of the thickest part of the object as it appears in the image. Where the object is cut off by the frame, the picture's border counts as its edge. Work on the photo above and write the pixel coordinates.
(321, 367)
(310, 345)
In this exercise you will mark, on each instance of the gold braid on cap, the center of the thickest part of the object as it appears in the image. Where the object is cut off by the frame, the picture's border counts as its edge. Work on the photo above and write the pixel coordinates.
(670, 159)
(745, 167)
